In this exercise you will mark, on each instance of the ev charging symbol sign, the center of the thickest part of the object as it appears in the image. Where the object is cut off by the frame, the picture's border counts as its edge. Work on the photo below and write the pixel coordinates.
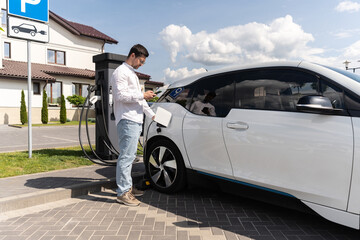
(33, 9)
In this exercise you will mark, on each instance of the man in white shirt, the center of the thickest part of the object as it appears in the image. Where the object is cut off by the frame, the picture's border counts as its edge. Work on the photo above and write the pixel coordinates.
(129, 106)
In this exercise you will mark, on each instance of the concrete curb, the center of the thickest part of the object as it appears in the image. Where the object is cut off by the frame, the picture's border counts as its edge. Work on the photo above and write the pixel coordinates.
(15, 126)
(52, 195)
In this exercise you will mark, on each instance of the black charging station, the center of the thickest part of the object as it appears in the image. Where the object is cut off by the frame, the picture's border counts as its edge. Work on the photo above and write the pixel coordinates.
(106, 132)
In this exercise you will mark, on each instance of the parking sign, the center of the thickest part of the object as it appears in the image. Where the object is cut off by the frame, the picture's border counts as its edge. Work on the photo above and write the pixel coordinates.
(32, 9)
(27, 29)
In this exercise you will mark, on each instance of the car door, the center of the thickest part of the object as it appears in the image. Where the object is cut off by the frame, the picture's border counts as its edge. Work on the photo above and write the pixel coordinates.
(272, 145)
(202, 126)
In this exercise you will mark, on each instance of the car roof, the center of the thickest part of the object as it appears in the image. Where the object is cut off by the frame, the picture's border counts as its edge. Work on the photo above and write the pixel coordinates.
(188, 80)
(323, 70)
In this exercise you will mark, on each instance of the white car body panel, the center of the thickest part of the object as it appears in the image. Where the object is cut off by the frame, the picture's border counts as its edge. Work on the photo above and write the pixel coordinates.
(354, 199)
(173, 131)
(345, 218)
(323, 169)
(289, 152)
(205, 145)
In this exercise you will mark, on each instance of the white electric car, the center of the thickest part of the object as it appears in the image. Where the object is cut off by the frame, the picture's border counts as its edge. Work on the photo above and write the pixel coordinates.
(291, 128)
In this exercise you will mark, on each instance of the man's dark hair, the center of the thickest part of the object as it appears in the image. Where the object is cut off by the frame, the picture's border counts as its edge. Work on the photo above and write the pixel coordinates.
(139, 51)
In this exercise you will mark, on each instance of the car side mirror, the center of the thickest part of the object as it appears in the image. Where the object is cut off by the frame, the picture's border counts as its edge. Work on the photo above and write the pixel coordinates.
(316, 104)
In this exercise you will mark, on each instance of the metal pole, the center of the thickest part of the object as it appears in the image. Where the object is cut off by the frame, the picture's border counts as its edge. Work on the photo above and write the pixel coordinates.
(29, 99)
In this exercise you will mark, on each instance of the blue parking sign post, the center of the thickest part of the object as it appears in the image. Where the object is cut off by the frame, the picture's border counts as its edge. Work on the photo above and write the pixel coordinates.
(32, 9)
(35, 11)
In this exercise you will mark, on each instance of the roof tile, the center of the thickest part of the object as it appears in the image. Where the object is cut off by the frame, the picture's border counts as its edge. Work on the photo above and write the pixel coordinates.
(16, 69)
(81, 29)
(45, 72)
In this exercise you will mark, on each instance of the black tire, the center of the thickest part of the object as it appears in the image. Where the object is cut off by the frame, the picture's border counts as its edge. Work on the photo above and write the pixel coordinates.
(165, 167)
(16, 30)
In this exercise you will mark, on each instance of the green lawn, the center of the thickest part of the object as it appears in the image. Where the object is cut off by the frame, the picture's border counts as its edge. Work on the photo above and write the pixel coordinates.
(19, 163)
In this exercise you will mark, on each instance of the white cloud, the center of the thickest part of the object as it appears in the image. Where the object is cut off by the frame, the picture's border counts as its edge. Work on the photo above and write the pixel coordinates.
(253, 42)
(352, 52)
(347, 33)
(348, 6)
(173, 75)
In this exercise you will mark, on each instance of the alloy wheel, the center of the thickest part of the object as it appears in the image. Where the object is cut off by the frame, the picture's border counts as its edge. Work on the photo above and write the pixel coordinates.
(162, 167)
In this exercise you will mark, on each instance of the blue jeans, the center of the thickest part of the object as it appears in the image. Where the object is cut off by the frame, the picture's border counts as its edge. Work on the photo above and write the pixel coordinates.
(128, 135)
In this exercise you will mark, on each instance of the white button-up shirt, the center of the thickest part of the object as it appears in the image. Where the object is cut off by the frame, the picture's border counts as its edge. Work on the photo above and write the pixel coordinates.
(129, 102)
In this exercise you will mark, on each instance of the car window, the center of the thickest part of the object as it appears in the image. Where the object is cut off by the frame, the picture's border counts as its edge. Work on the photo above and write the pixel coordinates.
(181, 95)
(213, 96)
(334, 93)
(273, 89)
(352, 104)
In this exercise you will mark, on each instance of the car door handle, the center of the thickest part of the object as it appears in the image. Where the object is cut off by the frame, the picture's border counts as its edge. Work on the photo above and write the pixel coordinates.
(237, 125)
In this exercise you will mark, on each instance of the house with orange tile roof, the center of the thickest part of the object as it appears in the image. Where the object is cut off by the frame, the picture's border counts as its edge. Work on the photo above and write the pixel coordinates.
(63, 66)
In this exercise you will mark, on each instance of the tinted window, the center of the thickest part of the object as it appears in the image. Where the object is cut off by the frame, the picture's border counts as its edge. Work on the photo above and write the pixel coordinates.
(280, 89)
(213, 96)
(181, 95)
(352, 104)
(273, 89)
(334, 93)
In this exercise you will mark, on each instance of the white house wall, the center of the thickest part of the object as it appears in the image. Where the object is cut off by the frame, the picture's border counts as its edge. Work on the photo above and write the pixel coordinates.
(79, 52)
(61, 37)
(10, 100)
(3, 4)
(67, 83)
(10, 91)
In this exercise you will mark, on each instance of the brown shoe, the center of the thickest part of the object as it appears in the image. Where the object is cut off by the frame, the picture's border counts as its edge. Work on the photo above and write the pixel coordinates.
(128, 199)
(136, 192)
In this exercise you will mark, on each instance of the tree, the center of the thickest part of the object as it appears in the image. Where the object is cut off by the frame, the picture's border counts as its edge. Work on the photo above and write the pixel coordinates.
(23, 113)
(153, 99)
(77, 101)
(44, 109)
(63, 110)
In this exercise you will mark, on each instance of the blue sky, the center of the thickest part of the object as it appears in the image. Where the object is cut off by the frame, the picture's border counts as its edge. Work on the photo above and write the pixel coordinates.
(186, 37)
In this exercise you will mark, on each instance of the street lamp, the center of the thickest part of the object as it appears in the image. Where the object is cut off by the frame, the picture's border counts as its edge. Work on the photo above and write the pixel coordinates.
(347, 66)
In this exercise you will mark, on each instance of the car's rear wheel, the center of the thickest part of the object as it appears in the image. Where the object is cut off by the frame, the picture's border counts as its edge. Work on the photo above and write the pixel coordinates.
(165, 166)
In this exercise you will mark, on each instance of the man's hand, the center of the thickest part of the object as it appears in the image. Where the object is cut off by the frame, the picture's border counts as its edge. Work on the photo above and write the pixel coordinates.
(149, 95)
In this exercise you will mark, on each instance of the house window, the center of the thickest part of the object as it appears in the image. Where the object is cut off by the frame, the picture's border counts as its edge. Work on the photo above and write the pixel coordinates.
(57, 57)
(36, 88)
(53, 91)
(80, 89)
(7, 50)
(4, 17)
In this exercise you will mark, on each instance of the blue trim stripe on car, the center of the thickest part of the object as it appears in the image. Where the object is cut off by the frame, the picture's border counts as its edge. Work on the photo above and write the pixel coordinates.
(247, 184)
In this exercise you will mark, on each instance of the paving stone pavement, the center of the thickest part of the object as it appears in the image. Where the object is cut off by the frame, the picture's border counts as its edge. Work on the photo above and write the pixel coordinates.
(194, 214)
(31, 183)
